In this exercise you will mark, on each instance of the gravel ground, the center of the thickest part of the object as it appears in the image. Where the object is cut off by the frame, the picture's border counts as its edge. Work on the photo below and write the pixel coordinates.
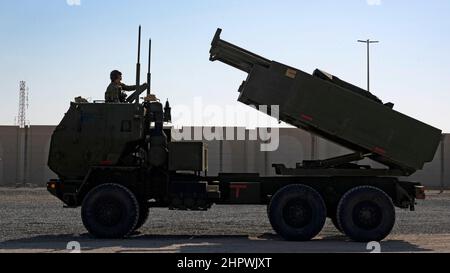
(30, 216)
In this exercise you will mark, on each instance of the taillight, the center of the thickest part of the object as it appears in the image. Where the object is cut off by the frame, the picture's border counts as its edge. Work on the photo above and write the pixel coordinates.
(420, 193)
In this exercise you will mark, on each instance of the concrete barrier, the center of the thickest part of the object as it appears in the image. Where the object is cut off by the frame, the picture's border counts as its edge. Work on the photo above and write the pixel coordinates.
(27, 164)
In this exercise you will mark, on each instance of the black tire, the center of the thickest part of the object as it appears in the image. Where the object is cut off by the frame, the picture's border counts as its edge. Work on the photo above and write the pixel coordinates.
(144, 212)
(297, 213)
(366, 214)
(110, 211)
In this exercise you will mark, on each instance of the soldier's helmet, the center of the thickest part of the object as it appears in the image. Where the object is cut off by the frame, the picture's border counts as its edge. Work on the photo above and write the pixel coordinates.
(115, 74)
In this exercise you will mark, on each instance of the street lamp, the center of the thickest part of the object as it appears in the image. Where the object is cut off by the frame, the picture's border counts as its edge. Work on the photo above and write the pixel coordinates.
(368, 42)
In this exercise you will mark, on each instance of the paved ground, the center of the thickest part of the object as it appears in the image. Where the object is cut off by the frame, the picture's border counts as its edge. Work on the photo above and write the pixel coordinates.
(33, 221)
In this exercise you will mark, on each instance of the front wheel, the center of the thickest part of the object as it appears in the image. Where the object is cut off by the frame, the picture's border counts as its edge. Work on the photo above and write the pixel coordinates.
(366, 214)
(297, 213)
(110, 211)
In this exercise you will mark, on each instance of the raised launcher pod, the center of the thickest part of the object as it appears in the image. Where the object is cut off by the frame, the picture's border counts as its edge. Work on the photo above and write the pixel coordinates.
(333, 109)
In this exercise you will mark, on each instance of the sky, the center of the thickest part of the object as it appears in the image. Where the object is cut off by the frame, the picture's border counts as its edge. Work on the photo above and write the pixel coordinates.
(67, 48)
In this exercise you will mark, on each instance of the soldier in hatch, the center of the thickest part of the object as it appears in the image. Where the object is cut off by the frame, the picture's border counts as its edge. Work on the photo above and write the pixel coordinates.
(115, 91)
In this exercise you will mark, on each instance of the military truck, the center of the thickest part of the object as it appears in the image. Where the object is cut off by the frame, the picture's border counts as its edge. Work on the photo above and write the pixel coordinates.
(118, 160)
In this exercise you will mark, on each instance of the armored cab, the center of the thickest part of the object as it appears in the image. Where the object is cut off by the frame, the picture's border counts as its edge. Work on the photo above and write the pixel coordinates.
(95, 134)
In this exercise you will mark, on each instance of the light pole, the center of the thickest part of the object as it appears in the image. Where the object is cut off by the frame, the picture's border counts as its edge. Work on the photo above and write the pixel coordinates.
(368, 42)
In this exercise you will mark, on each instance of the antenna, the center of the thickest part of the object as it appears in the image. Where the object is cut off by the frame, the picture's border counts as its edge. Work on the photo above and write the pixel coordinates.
(149, 74)
(21, 119)
(138, 66)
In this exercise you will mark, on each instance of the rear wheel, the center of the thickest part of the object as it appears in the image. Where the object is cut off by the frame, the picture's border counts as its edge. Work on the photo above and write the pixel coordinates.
(297, 213)
(110, 211)
(366, 214)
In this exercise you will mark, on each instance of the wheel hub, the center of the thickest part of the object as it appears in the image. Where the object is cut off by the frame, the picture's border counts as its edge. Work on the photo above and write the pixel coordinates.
(109, 213)
(297, 213)
(367, 215)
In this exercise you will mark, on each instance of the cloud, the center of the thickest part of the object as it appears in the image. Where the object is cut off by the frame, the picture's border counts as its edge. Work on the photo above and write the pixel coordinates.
(73, 2)
(373, 2)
